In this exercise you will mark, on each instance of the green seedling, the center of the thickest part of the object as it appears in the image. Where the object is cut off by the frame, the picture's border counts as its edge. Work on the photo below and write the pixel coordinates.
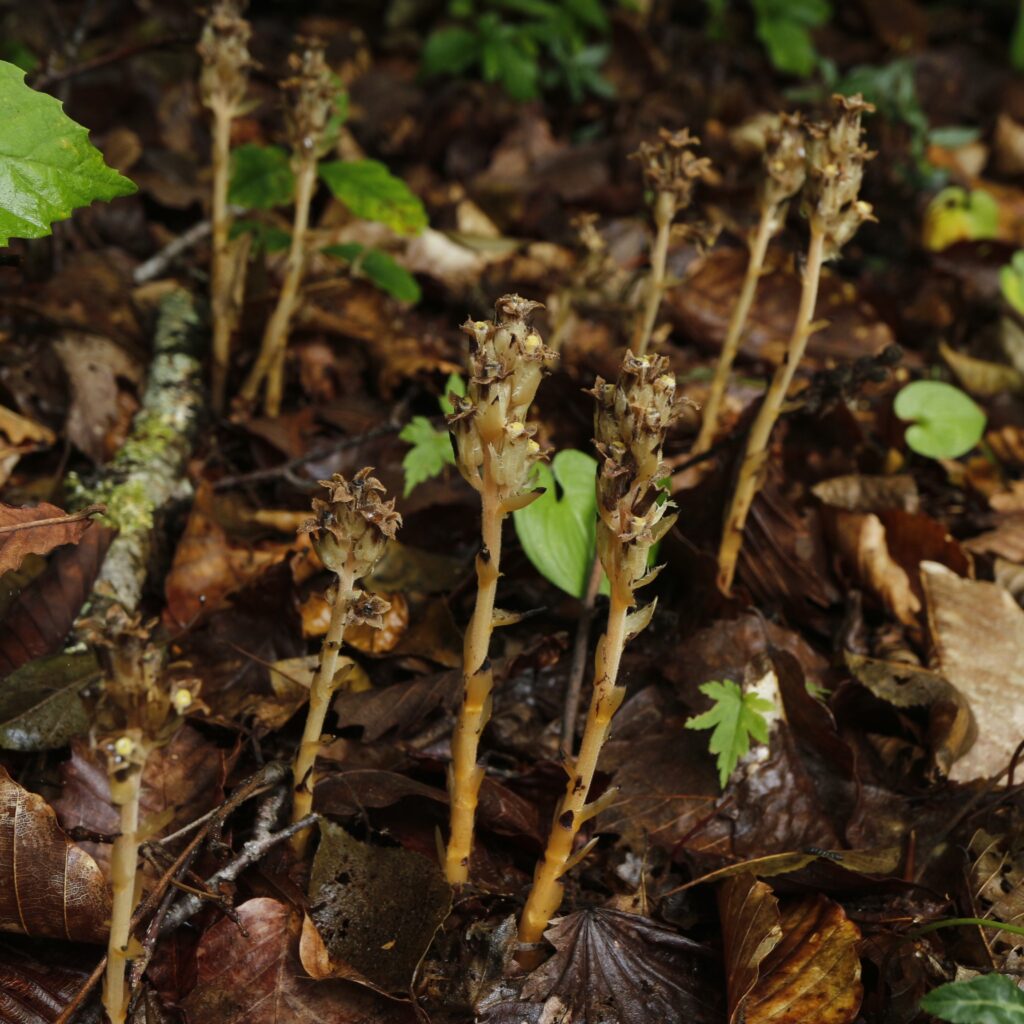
(50, 168)
(431, 446)
(945, 423)
(1011, 281)
(956, 215)
(736, 717)
(988, 999)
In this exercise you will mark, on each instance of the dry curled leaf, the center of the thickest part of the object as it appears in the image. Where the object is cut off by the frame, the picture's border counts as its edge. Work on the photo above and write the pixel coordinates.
(17, 544)
(48, 885)
(248, 972)
(794, 963)
(977, 634)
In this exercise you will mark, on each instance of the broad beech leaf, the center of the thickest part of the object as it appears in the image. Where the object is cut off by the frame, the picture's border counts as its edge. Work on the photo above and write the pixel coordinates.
(988, 999)
(261, 177)
(372, 192)
(379, 268)
(35, 540)
(248, 972)
(946, 423)
(48, 885)
(735, 717)
(557, 530)
(360, 924)
(48, 166)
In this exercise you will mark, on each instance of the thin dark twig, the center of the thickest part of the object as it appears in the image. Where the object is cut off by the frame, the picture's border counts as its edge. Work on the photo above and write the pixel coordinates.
(286, 468)
(71, 517)
(570, 711)
(103, 59)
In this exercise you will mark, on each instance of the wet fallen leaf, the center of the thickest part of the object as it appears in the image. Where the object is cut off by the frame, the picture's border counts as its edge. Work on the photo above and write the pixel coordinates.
(794, 963)
(859, 492)
(373, 911)
(981, 377)
(997, 882)
(249, 973)
(403, 706)
(977, 634)
(33, 992)
(35, 540)
(41, 616)
(48, 885)
(611, 967)
(180, 783)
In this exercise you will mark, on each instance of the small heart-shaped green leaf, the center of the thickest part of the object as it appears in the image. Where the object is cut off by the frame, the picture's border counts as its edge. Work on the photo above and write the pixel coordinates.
(557, 530)
(946, 423)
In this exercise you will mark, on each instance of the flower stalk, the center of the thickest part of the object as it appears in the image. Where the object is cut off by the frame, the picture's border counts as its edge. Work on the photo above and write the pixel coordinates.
(671, 170)
(630, 425)
(836, 155)
(496, 452)
(350, 532)
(315, 92)
(784, 174)
(225, 54)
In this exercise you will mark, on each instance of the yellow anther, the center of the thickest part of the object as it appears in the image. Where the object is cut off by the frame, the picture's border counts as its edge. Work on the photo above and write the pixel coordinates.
(831, 170)
(181, 699)
(667, 380)
(516, 427)
(532, 447)
(123, 746)
(533, 342)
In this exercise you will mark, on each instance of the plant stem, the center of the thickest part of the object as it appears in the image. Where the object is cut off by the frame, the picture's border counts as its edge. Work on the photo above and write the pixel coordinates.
(320, 693)
(981, 922)
(755, 265)
(546, 893)
(664, 212)
(465, 775)
(220, 276)
(579, 657)
(754, 458)
(269, 365)
(123, 864)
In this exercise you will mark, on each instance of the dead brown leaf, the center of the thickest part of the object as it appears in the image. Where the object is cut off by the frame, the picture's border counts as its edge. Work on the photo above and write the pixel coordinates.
(794, 963)
(16, 544)
(48, 885)
(249, 973)
(977, 635)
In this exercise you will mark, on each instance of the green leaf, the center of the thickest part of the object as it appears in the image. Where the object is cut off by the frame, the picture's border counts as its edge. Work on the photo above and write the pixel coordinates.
(988, 999)
(261, 177)
(789, 45)
(735, 717)
(557, 531)
(380, 268)
(453, 385)
(1011, 281)
(266, 236)
(48, 166)
(450, 51)
(431, 451)
(372, 192)
(946, 422)
(40, 703)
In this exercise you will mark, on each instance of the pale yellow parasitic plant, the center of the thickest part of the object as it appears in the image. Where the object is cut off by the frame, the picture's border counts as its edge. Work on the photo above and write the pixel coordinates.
(630, 424)
(495, 453)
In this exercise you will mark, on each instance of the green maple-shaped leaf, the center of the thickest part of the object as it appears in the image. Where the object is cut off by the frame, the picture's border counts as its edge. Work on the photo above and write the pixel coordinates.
(48, 166)
(735, 717)
(988, 999)
(431, 451)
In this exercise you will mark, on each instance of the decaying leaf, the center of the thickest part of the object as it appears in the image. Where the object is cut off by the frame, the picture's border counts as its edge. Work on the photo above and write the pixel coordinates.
(610, 967)
(997, 881)
(35, 540)
(249, 973)
(48, 885)
(35, 993)
(858, 492)
(790, 963)
(373, 911)
(977, 634)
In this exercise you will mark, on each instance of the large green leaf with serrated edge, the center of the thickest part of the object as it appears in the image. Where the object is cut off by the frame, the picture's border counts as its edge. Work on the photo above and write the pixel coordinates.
(48, 166)
(372, 192)
(988, 999)
(735, 717)
(431, 451)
